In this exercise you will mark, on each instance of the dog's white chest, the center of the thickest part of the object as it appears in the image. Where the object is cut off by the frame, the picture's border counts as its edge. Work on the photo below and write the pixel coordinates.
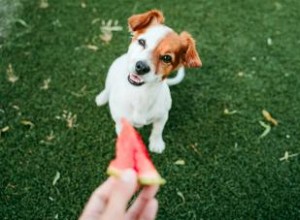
(145, 110)
(142, 106)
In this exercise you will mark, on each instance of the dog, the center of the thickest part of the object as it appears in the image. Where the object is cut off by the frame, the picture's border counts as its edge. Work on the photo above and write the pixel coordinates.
(137, 84)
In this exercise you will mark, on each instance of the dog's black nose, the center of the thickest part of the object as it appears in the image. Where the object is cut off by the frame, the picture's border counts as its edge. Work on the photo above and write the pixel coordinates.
(141, 68)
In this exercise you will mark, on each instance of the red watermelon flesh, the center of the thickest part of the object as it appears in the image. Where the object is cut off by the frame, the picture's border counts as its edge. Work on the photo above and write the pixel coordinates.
(124, 152)
(131, 152)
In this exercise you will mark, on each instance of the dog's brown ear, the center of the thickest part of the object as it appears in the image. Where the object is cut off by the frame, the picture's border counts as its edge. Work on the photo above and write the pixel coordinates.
(190, 56)
(141, 21)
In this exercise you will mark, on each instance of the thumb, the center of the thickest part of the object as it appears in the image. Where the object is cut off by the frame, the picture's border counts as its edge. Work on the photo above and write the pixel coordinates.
(123, 190)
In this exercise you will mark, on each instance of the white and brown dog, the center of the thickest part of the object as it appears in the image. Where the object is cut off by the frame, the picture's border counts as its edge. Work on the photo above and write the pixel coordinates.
(137, 86)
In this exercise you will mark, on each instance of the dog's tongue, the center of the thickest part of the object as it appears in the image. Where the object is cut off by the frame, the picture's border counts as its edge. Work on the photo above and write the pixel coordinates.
(135, 78)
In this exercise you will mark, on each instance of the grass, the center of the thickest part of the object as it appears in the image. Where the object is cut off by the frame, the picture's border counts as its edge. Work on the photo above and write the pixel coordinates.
(251, 62)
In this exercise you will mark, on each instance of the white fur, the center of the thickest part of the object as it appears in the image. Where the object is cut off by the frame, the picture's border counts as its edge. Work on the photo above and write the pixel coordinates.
(140, 105)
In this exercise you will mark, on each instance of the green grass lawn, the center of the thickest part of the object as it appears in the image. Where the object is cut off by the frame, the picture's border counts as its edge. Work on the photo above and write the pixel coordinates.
(250, 54)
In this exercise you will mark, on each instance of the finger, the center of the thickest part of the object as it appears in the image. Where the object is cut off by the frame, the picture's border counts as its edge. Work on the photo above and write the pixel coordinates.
(123, 190)
(150, 210)
(142, 200)
(98, 200)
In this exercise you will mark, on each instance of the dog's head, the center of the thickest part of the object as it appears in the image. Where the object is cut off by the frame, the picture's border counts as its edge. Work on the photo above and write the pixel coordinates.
(156, 50)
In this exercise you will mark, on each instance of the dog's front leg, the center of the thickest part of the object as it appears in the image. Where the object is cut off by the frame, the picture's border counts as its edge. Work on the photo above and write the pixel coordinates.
(157, 143)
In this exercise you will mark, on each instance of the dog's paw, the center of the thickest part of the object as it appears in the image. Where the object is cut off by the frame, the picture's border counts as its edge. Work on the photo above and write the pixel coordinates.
(157, 145)
(102, 98)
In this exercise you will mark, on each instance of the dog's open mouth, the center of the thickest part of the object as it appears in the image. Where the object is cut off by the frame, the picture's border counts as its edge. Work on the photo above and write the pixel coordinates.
(135, 79)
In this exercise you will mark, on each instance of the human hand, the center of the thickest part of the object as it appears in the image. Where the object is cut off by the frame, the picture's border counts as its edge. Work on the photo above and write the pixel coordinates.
(109, 201)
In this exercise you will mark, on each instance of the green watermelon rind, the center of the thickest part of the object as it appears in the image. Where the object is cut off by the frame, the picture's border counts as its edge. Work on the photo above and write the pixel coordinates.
(113, 172)
(152, 181)
(142, 180)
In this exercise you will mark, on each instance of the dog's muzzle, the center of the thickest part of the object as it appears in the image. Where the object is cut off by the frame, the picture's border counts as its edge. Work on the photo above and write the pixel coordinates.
(141, 68)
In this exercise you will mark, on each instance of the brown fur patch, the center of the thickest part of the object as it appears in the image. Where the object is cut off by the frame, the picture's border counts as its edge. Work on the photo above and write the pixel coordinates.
(142, 21)
(181, 48)
(191, 57)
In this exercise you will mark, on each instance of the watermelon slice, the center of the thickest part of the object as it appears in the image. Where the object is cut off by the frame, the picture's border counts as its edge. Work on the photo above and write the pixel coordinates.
(131, 152)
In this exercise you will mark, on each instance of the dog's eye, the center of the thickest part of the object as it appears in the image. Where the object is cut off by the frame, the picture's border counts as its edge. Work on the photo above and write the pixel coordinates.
(166, 59)
(142, 42)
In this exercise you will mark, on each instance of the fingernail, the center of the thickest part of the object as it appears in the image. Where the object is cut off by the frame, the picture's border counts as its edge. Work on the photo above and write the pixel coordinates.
(128, 176)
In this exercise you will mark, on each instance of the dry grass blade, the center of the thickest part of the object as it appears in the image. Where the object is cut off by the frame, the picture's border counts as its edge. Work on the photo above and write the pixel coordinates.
(5, 129)
(70, 119)
(46, 83)
(267, 129)
(194, 147)
(50, 137)
(227, 112)
(180, 194)
(56, 178)
(94, 21)
(269, 118)
(22, 22)
(82, 92)
(287, 156)
(27, 123)
(83, 5)
(107, 28)
(11, 77)
(92, 47)
(269, 41)
(106, 37)
(179, 162)
(44, 4)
